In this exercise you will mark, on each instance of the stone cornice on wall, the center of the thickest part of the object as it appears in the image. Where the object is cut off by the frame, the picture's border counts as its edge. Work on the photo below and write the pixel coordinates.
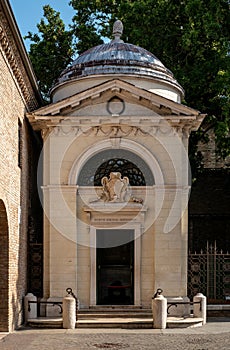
(132, 127)
(14, 51)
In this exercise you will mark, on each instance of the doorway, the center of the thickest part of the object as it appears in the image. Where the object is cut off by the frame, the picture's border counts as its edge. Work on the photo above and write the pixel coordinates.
(115, 267)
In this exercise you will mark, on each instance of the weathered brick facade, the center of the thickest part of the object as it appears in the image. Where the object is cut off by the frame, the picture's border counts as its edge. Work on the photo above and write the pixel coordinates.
(211, 159)
(18, 94)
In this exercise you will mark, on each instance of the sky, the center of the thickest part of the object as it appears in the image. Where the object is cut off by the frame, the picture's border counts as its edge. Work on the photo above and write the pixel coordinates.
(29, 12)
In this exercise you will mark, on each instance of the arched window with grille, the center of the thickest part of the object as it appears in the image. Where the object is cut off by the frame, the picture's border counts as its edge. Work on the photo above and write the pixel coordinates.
(115, 160)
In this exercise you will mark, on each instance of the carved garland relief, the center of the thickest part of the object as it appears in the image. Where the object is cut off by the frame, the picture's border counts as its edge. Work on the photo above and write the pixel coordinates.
(117, 130)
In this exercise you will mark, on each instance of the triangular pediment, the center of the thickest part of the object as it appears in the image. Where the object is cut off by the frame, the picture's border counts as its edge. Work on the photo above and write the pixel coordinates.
(102, 93)
(122, 90)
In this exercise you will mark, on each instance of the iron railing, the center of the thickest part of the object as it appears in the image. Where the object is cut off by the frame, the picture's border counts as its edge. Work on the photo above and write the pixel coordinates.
(38, 302)
(209, 273)
(53, 303)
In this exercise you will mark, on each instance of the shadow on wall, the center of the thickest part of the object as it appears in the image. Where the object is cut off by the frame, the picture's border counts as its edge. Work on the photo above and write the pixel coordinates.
(4, 269)
(29, 237)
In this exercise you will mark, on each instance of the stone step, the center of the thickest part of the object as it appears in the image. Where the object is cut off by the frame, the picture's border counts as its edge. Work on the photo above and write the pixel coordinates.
(221, 310)
(184, 322)
(115, 308)
(45, 322)
(116, 322)
(114, 313)
(133, 323)
(84, 316)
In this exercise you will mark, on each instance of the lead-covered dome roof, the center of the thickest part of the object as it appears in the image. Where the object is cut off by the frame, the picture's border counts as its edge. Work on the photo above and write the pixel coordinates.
(117, 57)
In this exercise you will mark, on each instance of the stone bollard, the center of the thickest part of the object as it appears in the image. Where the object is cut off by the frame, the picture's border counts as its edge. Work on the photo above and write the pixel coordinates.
(199, 310)
(30, 308)
(159, 309)
(69, 312)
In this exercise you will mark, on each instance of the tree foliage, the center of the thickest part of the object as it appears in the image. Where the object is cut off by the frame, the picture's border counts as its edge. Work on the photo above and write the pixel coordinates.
(191, 38)
(51, 49)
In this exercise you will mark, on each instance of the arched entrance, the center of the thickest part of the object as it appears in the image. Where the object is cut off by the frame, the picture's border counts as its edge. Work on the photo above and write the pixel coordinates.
(4, 268)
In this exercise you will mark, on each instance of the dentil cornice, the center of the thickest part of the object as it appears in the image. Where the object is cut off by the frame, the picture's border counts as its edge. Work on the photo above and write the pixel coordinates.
(11, 51)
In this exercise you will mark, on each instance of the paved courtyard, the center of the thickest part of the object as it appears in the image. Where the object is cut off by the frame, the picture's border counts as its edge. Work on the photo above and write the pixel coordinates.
(214, 335)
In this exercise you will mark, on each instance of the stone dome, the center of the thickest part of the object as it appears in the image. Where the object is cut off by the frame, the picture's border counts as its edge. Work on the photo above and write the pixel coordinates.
(118, 58)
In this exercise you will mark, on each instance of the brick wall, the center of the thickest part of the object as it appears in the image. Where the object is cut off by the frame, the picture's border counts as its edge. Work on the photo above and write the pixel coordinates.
(16, 98)
(211, 159)
(13, 184)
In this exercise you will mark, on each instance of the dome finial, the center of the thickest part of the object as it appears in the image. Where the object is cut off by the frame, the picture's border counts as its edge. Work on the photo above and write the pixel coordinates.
(117, 31)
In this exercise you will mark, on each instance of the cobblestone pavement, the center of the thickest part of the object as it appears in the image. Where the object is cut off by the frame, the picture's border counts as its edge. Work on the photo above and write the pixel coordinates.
(214, 335)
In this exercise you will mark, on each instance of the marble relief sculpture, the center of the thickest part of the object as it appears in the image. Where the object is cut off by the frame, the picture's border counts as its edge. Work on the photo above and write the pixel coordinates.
(116, 189)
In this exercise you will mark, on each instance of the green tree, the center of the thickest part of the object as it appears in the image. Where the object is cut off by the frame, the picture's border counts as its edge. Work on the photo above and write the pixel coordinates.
(190, 37)
(51, 49)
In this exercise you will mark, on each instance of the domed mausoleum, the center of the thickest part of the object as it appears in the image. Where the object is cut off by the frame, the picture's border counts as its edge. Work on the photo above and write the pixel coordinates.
(115, 178)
